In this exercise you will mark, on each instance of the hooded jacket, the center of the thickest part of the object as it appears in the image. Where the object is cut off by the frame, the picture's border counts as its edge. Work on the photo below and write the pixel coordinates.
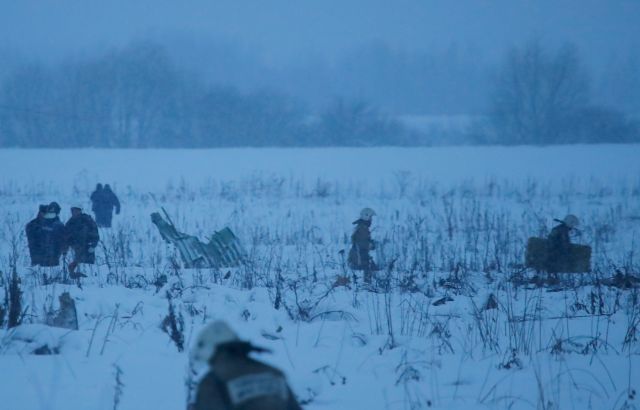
(33, 231)
(52, 237)
(104, 200)
(81, 233)
(361, 244)
(558, 248)
(238, 382)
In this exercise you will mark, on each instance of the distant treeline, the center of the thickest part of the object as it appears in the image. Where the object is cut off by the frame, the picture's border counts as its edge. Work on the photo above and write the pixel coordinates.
(138, 98)
(544, 96)
(141, 97)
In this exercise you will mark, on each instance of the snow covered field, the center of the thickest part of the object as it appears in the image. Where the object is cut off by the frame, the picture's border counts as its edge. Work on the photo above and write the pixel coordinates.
(452, 224)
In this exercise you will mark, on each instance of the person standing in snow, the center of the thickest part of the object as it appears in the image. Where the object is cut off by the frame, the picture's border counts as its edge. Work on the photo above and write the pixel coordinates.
(96, 197)
(81, 235)
(361, 244)
(103, 202)
(236, 381)
(559, 244)
(52, 236)
(33, 232)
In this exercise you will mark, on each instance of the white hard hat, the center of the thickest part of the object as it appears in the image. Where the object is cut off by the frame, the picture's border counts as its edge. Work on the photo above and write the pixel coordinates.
(571, 221)
(366, 214)
(209, 338)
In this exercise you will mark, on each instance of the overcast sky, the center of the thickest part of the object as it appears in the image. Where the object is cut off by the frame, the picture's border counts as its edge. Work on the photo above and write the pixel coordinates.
(283, 30)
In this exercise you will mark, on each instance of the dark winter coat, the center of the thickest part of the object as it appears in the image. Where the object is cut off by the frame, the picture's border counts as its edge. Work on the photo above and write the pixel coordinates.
(361, 244)
(238, 382)
(81, 234)
(558, 249)
(95, 197)
(34, 236)
(103, 202)
(52, 240)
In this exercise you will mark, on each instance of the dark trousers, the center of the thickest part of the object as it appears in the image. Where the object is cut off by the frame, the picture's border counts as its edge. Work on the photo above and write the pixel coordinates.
(104, 218)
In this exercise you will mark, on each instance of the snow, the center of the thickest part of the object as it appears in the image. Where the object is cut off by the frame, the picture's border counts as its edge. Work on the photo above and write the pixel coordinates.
(455, 220)
(152, 169)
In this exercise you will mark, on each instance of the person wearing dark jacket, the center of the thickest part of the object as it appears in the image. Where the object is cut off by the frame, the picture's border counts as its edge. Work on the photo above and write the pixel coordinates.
(236, 381)
(103, 201)
(52, 236)
(81, 235)
(33, 232)
(559, 244)
(95, 196)
(362, 244)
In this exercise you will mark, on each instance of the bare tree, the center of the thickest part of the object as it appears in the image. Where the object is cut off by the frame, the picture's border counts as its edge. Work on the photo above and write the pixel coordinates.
(355, 123)
(620, 83)
(536, 92)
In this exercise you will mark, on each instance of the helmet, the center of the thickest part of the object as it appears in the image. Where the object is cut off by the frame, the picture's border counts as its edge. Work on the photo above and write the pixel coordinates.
(571, 221)
(54, 207)
(213, 335)
(366, 214)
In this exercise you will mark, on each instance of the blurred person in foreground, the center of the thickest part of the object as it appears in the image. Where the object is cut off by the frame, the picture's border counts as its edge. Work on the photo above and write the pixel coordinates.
(234, 380)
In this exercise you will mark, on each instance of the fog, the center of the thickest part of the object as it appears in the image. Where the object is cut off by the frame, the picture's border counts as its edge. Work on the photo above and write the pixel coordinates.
(405, 59)
(283, 32)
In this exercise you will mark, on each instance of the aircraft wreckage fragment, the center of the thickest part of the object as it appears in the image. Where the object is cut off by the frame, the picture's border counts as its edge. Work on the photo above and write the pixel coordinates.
(222, 251)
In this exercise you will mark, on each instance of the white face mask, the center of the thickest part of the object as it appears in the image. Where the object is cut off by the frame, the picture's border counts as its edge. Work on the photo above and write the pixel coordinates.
(50, 215)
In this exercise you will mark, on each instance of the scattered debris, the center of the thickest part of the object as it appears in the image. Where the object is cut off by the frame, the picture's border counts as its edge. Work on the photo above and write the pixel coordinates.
(622, 281)
(223, 249)
(491, 303)
(67, 316)
(511, 362)
(578, 259)
(442, 301)
(44, 350)
(269, 336)
(341, 280)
